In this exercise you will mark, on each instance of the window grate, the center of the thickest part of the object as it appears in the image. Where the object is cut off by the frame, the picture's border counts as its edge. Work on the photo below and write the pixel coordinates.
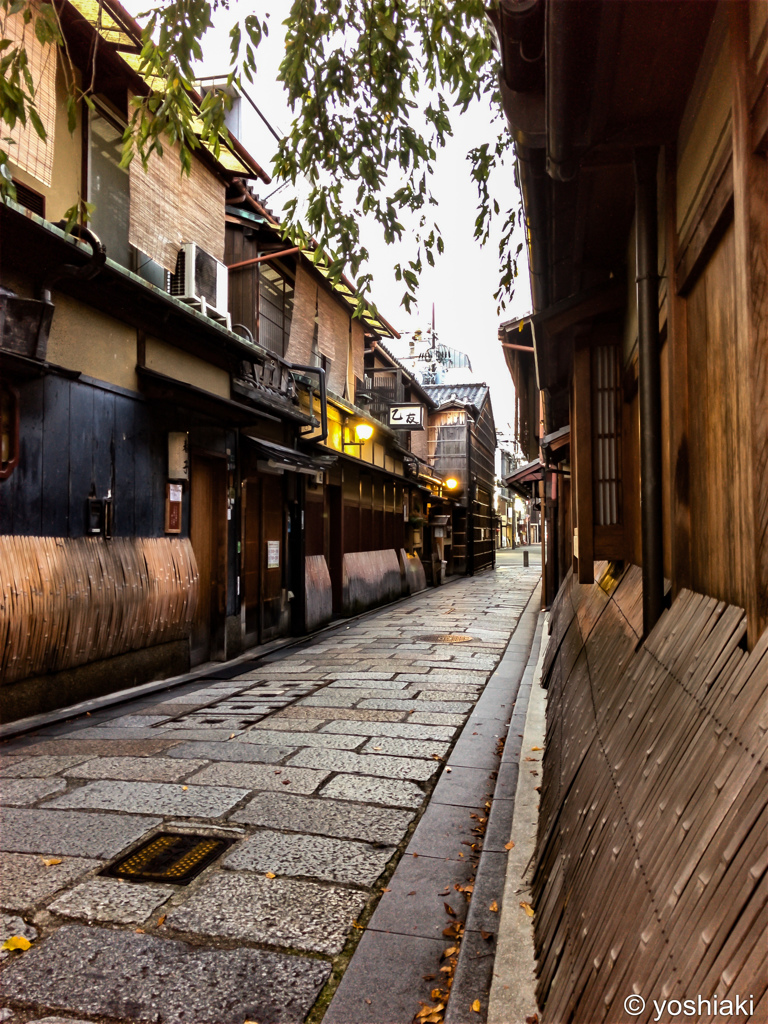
(29, 199)
(606, 424)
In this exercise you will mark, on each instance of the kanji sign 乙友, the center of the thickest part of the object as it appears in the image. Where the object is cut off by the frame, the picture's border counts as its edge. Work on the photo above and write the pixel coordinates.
(406, 417)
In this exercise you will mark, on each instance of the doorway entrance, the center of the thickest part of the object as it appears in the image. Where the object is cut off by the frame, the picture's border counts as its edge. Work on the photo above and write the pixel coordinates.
(263, 558)
(208, 536)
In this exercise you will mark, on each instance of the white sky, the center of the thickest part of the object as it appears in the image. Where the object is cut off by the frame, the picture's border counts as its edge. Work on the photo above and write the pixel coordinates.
(462, 283)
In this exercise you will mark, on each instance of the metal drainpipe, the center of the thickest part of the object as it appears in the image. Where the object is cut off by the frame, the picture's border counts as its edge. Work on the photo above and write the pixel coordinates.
(646, 252)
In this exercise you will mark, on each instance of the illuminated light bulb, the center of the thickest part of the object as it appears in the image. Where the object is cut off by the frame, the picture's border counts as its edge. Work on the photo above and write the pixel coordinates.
(363, 431)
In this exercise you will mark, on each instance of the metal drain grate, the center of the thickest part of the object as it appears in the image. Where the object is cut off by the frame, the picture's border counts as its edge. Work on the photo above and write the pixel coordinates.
(168, 857)
(445, 638)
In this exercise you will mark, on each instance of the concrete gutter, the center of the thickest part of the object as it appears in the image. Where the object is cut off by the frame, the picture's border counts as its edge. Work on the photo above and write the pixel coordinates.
(513, 987)
(513, 678)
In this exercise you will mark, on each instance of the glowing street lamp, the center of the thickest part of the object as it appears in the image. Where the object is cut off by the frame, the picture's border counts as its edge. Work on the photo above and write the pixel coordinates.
(363, 432)
(451, 483)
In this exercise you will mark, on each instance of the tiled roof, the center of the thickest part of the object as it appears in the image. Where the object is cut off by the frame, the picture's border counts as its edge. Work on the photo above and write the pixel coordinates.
(475, 394)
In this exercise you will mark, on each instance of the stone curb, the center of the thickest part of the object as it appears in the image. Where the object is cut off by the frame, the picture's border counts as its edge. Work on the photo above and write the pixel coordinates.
(513, 987)
(478, 956)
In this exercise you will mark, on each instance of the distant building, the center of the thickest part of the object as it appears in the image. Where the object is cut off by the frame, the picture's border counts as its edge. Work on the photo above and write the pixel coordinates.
(461, 447)
(432, 362)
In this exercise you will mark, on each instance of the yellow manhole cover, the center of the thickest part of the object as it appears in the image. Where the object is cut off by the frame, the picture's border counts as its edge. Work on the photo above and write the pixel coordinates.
(169, 857)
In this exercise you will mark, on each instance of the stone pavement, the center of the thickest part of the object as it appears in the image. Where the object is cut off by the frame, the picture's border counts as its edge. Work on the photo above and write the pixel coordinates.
(320, 766)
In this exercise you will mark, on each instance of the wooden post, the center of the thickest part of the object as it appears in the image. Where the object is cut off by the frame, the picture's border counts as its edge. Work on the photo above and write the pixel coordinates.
(677, 410)
(545, 598)
(750, 201)
(649, 378)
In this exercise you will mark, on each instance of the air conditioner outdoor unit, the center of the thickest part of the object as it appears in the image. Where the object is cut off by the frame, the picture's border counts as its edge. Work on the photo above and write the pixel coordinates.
(201, 281)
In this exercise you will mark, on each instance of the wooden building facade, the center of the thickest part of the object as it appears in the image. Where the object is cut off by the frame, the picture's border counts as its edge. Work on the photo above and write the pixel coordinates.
(184, 470)
(701, 160)
(642, 140)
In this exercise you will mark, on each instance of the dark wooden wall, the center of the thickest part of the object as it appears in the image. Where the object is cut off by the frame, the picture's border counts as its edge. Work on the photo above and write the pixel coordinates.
(373, 513)
(76, 437)
(481, 468)
(241, 244)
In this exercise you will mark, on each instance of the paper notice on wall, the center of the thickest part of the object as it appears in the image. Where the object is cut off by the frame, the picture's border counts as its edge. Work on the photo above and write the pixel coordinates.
(273, 554)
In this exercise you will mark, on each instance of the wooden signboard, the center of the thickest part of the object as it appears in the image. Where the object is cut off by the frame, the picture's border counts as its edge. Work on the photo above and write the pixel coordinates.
(173, 508)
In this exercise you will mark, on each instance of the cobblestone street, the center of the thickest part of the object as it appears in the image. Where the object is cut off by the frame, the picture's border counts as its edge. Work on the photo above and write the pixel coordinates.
(348, 776)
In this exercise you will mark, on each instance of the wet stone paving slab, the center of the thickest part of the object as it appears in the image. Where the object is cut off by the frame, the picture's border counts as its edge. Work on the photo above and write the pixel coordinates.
(315, 764)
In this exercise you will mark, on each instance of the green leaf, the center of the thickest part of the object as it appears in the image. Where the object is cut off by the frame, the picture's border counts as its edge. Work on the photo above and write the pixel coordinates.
(37, 124)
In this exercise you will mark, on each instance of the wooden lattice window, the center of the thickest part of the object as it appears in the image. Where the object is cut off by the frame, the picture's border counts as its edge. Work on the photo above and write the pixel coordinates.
(606, 436)
(275, 309)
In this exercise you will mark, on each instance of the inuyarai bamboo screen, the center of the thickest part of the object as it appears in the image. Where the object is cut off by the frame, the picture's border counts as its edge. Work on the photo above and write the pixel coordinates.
(168, 208)
(28, 151)
(606, 420)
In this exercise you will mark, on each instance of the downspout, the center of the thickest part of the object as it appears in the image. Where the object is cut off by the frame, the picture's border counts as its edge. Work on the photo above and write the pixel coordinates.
(323, 395)
(646, 252)
(86, 272)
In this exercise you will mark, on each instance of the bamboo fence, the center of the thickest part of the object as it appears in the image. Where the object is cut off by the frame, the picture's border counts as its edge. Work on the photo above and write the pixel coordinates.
(65, 603)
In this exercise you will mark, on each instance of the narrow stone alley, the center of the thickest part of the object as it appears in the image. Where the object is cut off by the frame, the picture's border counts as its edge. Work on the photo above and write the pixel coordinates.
(350, 781)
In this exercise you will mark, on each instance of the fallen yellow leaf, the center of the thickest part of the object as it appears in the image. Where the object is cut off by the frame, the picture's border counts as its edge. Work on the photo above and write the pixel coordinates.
(185, 787)
(161, 920)
(16, 942)
(536, 748)
(271, 874)
(509, 845)
(50, 861)
(494, 907)
(527, 908)
(476, 1006)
